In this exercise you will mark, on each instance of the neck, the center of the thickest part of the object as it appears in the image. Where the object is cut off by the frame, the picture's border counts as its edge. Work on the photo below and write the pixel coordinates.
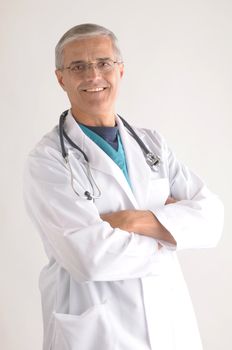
(104, 119)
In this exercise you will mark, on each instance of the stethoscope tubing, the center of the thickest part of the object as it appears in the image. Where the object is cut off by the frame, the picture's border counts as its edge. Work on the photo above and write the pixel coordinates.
(64, 135)
(152, 159)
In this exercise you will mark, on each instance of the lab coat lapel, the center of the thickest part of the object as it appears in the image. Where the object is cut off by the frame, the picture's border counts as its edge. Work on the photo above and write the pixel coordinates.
(98, 159)
(138, 169)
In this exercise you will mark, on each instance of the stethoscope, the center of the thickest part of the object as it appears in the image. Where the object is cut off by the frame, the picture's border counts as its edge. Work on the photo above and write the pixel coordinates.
(153, 160)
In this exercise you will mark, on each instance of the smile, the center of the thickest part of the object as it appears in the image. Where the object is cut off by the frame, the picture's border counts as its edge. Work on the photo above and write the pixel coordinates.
(95, 89)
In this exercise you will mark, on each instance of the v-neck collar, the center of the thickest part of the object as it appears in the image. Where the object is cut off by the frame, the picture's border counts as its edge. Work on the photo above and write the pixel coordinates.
(118, 156)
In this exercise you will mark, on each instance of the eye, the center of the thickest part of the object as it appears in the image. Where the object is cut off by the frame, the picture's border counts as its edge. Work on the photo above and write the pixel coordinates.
(104, 64)
(79, 67)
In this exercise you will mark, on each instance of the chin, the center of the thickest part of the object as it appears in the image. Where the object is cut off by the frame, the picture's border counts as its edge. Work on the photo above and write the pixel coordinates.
(99, 108)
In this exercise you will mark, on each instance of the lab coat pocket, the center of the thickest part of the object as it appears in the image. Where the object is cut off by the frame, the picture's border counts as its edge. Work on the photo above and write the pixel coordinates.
(87, 331)
(158, 192)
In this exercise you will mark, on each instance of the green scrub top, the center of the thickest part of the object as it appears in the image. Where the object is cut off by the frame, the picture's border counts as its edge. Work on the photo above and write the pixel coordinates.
(118, 156)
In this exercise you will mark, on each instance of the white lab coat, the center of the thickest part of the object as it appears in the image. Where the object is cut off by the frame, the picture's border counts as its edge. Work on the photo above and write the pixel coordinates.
(105, 288)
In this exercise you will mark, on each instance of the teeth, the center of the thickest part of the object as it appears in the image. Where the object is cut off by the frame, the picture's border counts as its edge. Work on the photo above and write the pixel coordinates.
(95, 89)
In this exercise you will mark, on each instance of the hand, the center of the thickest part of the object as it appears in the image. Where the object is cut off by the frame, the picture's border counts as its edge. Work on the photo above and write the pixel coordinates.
(170, 200)
(143, 222)
(123, 219)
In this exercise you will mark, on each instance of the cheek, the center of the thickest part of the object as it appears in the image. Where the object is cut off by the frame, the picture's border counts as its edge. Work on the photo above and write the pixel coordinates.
(115, 84)
(72, 89)
(70, 85)
(116, 87)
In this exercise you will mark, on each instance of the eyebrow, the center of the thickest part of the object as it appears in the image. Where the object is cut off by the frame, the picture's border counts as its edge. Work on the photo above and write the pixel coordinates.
(97, 59)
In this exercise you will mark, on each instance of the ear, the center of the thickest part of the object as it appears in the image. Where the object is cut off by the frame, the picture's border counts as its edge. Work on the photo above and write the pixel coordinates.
(60, 78)
(121, 70)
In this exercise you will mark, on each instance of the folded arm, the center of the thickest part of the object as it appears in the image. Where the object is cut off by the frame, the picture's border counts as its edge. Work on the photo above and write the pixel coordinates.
(73, 232)
(143, 222)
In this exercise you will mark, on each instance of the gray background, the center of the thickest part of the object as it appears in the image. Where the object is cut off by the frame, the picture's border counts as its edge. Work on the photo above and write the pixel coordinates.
(177, 80)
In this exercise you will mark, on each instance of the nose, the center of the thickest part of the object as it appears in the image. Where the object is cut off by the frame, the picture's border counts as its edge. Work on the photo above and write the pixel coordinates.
(92, 71)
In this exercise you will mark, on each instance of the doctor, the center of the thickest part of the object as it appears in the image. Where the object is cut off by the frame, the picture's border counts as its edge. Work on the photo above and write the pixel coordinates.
(112, 281)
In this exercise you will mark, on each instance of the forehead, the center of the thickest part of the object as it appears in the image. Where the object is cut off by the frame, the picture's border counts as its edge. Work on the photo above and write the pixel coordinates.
(87, 49)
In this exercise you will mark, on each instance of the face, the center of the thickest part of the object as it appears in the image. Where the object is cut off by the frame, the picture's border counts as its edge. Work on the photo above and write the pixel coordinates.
(92, 94)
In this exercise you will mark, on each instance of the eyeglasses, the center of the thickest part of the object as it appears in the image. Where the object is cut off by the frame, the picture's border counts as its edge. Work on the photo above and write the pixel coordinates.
(103, 65)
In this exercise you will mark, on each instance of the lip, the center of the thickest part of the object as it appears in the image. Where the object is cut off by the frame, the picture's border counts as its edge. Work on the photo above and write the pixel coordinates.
(95, 89)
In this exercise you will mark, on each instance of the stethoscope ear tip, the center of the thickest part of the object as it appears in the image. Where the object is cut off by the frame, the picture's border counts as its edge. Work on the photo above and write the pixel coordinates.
(88, 195)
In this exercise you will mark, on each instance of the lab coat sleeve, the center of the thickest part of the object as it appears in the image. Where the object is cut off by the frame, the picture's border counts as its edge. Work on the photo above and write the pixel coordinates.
(72, 230)
(196, 219)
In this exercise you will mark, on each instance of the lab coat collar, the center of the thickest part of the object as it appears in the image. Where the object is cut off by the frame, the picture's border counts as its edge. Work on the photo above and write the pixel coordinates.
(138, 169)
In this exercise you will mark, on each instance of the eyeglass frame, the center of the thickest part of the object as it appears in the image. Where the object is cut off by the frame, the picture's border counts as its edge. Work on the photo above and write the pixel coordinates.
(93, 64)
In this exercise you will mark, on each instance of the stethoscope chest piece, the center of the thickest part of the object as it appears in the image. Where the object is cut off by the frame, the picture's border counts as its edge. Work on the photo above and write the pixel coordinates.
(153, 160)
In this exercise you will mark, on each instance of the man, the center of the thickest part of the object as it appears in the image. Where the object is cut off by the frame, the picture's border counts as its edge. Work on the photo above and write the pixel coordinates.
(110, 223)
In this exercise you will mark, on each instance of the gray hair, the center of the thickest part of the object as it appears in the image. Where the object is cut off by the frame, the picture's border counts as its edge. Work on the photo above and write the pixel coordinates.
(83, 31)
